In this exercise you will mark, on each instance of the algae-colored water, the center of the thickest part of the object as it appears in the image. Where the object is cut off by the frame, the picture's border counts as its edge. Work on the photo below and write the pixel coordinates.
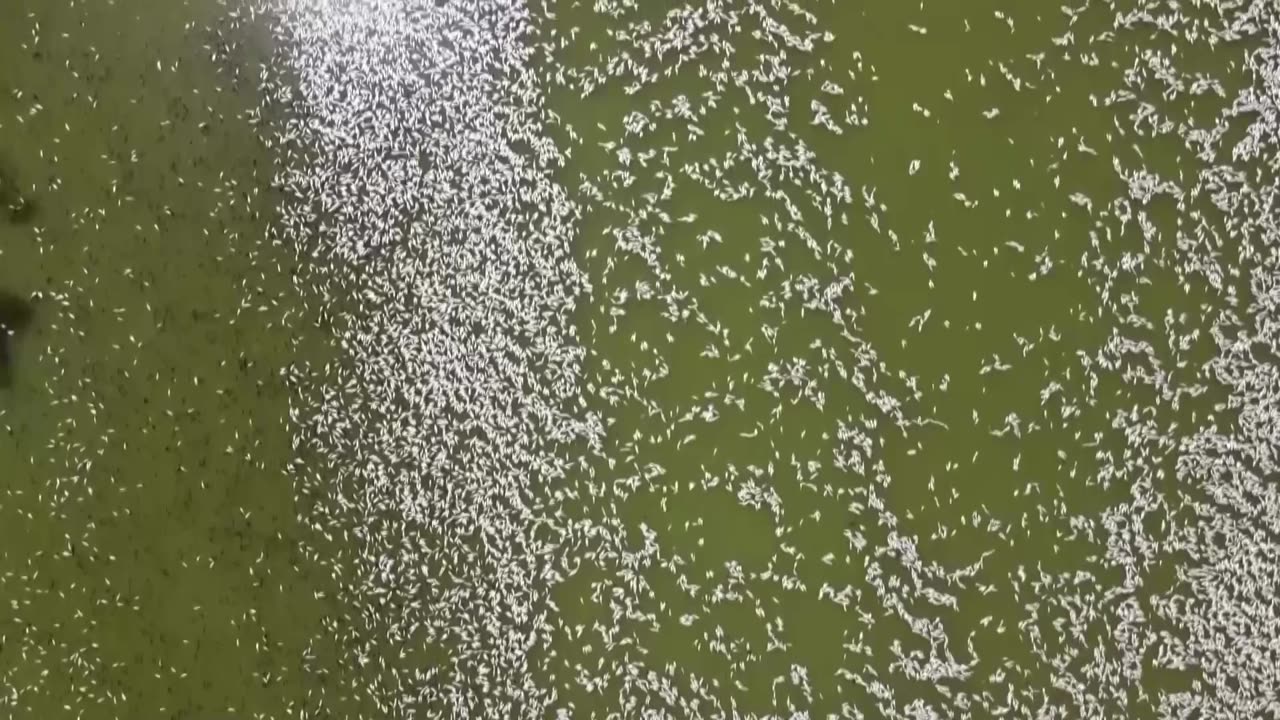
(789, 378)
(151, 562)
(962, 279)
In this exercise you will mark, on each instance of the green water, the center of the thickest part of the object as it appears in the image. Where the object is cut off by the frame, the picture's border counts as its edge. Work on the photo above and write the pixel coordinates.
(151, 562)
(786, 385)
(729, 386)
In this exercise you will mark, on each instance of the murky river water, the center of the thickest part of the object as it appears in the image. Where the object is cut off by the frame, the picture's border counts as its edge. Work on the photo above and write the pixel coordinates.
(849, 359)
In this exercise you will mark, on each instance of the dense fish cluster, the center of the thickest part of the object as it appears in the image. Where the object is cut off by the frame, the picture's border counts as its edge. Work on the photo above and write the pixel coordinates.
(421, 177)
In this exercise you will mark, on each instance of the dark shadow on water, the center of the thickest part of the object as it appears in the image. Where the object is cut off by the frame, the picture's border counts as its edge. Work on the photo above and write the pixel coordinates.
(16, 314)
(22, 212)
(15, 208)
